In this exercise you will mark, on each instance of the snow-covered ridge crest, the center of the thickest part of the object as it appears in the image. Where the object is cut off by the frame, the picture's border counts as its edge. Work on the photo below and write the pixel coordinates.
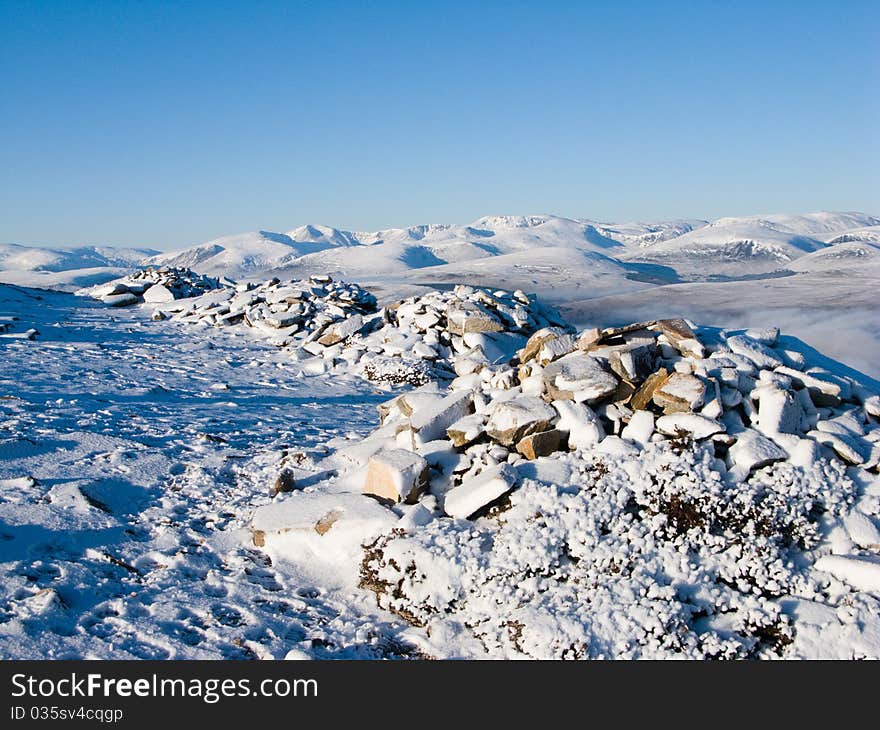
(519, 485)
(762, 243)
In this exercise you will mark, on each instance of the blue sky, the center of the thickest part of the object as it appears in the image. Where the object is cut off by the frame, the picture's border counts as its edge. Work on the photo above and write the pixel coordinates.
(169, 123)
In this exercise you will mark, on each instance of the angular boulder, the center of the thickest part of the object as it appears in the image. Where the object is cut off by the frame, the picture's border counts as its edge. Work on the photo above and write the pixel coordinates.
(542, 443)
(475, 493)
(397, 475)
(512, 420)
(580, 378)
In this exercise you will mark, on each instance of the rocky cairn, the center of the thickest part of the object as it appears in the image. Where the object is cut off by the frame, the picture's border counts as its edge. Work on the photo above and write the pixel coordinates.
(745, 394)
(153, 286)
(658, 489)
(550, 484)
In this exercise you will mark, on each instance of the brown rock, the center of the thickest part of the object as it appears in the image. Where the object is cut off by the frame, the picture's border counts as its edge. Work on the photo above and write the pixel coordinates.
(634, 363)
(540, 444)
(588, 338)
(624, 393)
(258, 537)
(675, 329)
(535, 343)
(327, 521)
(680, 393)
(397, 475)
(331, 338)
(284, 482)
(645, 393)
(681, 336)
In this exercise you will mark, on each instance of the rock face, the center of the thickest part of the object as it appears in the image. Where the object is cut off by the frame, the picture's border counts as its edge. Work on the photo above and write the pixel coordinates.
(396, 475)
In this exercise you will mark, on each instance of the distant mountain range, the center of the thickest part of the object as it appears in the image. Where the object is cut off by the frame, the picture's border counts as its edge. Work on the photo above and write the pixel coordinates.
(516, 250)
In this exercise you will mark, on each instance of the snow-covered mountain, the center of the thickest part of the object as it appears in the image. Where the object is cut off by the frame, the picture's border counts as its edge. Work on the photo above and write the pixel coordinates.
(244, 253)
(647, 234)
(391, 251)
(750, 245)
(15, 257)
(66, 268)
(532, 249)
(728, 246)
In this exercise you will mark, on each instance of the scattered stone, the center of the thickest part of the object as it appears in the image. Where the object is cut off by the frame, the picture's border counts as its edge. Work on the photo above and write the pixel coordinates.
(512, 420)
(284, 482)
(543, 443)
(579, 423)
(397, 475)
(475, 493)
(692, 424)
(467, 430)
(431, 422)
(767, 336)
(645, 394)
(120, 300)
(152, 285)
(778, 411)
(849, 448)
(312, 515)
(640, 428)
(761, 355)
(158, 294)
(681, 336)
(679, 393)
(580, 378)
(753, 450)
(471, 317)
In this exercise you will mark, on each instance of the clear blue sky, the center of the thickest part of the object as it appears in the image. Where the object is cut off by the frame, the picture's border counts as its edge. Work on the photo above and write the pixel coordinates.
(169, 123)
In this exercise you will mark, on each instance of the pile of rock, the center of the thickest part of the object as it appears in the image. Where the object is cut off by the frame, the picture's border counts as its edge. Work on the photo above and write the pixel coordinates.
(444, 334)
(334, 326)
(154, 286)
(313, 317)
(654, 444)
(753, 398)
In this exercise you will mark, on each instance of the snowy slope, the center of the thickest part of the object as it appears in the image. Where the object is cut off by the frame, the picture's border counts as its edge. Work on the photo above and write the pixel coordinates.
(138, 460)
(863, 255)
(394, 250)
(865, 233)
(531, 248)
(726, 247)
(750, 245)
(246, 253)
(647, 234)
(14, 257)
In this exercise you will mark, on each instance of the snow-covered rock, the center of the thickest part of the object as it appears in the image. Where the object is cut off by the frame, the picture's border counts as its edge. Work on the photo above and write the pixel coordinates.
(477, 492)
(512, 420)
(396, 474)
